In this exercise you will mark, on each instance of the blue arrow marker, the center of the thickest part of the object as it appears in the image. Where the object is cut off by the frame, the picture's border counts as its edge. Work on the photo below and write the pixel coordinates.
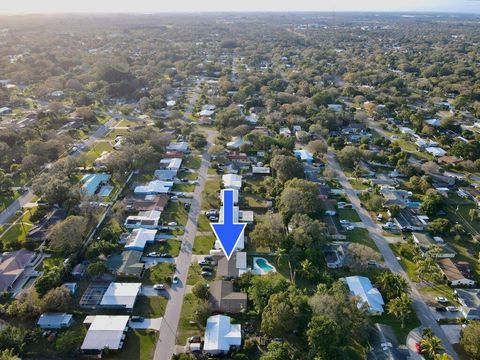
(228, 233)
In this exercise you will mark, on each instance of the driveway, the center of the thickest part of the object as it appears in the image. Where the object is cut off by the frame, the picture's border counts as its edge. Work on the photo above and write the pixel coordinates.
(153, 324)
(423, 312)
(166, 344)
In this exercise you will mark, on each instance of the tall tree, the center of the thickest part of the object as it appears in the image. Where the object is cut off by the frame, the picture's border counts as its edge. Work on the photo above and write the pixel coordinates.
(400, 307)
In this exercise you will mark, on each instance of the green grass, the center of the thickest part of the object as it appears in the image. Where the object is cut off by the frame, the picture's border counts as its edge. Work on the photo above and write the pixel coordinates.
(126, 123)
(159, 273)
(116, 132)
(254, 201)
(96, 151)
(139, 345)
(348, 214)
(358, 184)
(182, 174)
(192, 162)
(411, 323)
(194, 274)
(406, 261)
(203, 224)
(211, 194)
(185, 329)
(176, 212)
(361, 236)
(15, 237)
(150, 306)
(203, 244)
(170, 246)
(183, 187)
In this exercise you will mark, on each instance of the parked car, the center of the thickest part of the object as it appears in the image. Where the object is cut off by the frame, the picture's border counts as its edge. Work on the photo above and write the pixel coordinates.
(452, 309)
(207, 268)
(204, 262)
(153, 254)
(137, 319)
(213, 218)
(194, 339)
(175, 279)
(208, 258)
(159, 287)
(211, 212)
(184, 180)
(172, 223)
(441, 299)
(344, 222)
(349, 227)
(187, 205)
(206, 273)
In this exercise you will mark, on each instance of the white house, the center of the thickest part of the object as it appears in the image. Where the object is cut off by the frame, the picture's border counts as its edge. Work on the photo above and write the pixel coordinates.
(139, 238)
(285, 132)
(221, 335)
(179, 146)
(335, 107)
(453, 274)
(55, 321)
(154, 187)
(236, 143)
(433, 122)
(121, 295)
(171, 163)
(105, 332)
(260, 170)
(232, 181)
(367, 295)
(304, 155)
(165, 175)
(436, 151)
(145, 219)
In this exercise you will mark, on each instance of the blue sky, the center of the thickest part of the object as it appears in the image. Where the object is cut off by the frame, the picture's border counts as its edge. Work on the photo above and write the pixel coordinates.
(153, 6)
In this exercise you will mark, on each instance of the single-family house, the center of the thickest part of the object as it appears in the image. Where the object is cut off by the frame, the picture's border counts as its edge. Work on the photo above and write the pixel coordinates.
(55, 321)
(92, 183)
(236, 219)
(127, 264)
(144, 219)
(407, 220)
(260, 170)
(221, 335)
(436, 151)
(224, 299)
(236, 142)
(178, 146)
(334, 255)
(425, 242)
(304, 155)
(139, 238)
(433, 122)
(246, 216)
(171, 163)
(335, 107)
(453, 274)
(285, 132)
(236, 266)
(165, 175)
(105, 333)
(368, 296)
(470, 301)
(232, 181)
(121, 296)
(149, 202)
(12, 267)
(154, 187)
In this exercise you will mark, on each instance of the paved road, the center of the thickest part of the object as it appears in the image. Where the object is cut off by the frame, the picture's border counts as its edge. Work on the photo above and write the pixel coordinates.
(423, 312)
(166, 342)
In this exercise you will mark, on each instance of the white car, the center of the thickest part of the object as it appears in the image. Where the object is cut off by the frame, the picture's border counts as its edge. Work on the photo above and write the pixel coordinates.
(452, 309)
(175, 280)
(172, 223)
(159, 287)
(344, 222)
(349, 227)
(441, 299)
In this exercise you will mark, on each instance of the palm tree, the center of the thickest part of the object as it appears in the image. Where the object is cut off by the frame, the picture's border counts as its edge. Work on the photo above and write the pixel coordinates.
(431, 346)
(393, 285)
(400, 307)
(357, 172)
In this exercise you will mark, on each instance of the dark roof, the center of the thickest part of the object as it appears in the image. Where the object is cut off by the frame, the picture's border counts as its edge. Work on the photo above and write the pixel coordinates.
(127, 263)
(157, 202)
(224, 299)
(406, 218)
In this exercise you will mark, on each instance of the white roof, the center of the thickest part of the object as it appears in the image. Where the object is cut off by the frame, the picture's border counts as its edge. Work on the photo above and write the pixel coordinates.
(235, 143)
(436, 151)
(121, 295)
(304, 154)
(433, 122)
(260, 170)
(139, 238)
(246, 215)
(171, 163)
(220, 334)
(154, 187)
(241, 259)
(232, 181)
(361, 287)
(207, 113)
(179, 146)
(106, 331)
(285, 131)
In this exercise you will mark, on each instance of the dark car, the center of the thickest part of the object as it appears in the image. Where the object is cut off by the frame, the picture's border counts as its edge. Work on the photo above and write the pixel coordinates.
(441, 308)
(207, 268)
(165, 255)
(137, 319)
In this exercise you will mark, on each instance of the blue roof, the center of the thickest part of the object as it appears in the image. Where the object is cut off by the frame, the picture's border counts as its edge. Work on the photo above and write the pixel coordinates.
(92, 181)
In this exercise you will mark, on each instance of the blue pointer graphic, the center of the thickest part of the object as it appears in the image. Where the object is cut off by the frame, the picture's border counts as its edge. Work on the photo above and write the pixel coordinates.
(228, 233)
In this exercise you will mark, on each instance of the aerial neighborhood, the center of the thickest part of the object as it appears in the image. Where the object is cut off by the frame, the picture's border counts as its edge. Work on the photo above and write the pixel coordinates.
(350, 145)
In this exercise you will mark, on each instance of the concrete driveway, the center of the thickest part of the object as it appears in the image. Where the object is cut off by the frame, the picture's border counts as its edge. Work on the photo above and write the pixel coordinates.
(153, 324)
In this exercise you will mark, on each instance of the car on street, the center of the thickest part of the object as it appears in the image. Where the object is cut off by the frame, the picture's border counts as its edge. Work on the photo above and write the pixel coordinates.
(452, 309)
(159, 287)
(441, 299)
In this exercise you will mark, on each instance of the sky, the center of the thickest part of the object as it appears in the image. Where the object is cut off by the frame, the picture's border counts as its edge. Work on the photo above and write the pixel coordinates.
(158, 6)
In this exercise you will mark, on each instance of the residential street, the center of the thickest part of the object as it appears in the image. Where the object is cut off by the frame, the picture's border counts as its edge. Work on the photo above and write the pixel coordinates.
(423, 312)
(166, 342)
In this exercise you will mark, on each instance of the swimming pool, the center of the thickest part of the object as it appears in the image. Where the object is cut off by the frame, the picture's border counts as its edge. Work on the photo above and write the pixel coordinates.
(262, 266)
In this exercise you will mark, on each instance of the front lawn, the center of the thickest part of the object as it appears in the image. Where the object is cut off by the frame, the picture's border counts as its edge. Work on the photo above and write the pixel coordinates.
(194, 274)
(203, 224)
(211, 194)
(203, 244)
(183, 187)
(159, 273)
(361, 236)
(171, 246)
(182, 174)
(175, 212)
(139, 344)
(150, 306)
(348, 214)
(192, 162)
(185, 329)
